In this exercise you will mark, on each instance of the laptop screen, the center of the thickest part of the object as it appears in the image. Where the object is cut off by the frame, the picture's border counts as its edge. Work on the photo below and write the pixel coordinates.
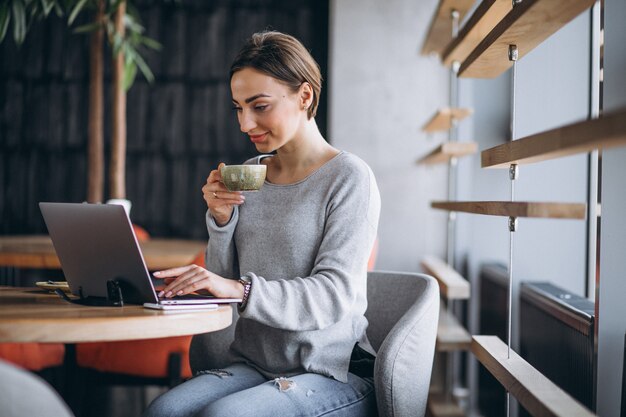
(95, 243)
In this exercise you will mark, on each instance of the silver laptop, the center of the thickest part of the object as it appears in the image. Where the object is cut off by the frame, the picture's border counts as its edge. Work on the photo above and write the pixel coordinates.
(96, 244)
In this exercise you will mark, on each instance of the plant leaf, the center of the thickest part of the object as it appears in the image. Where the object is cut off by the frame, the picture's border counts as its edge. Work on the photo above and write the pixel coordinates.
(19, 22)
(58, 9)
(87, 28)
(143, 67)
(118, 43)
(130, 72)
(79, 6)
(150, 43)
(5, 18)
(48, 5)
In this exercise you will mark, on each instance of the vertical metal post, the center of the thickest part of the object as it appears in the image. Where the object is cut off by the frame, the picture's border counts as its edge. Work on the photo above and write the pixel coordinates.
(449, 377)
(452, 137)
(513, 174)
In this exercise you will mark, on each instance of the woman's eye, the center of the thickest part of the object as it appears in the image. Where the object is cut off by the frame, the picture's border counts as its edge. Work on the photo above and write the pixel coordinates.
(237, 108)
(260, 108)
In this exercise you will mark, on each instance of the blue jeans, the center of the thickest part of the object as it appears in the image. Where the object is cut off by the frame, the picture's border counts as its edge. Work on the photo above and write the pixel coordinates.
(240, 390)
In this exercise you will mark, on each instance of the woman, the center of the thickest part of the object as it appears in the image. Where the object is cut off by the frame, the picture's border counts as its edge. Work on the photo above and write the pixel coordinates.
(296, 252)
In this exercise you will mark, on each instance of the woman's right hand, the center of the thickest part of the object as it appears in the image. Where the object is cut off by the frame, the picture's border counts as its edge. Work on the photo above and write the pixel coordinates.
(219, 200)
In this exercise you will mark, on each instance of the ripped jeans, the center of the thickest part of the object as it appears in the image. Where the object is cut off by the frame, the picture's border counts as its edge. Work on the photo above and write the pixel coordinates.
(240, 390)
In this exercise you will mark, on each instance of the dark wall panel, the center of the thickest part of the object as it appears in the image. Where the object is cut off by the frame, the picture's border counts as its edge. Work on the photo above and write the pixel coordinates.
(179, 127)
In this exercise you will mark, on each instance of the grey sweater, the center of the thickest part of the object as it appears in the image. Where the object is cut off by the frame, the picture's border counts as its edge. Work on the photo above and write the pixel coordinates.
(305, 248)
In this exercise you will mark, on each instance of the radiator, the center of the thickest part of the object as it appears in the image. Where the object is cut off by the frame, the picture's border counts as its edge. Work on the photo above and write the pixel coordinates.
(556, 337)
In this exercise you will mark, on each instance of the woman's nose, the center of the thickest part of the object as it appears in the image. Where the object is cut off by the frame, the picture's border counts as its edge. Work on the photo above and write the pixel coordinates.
(246, 121)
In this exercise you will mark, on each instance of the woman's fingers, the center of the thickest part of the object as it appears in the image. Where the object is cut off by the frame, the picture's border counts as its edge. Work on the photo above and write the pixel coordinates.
(173, 272)
(217, 196)
(188, 280)
(188, 285)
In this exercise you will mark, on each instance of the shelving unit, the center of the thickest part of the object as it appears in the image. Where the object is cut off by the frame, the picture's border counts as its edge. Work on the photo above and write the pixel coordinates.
(516, 208)
(539, 395)
(606, 132)
(482, 21)
(446, 151)
(451, 335)
(451, 284)
(439, 33)
(527, 25)
(494, 38)
(444, 119)
(439, 406)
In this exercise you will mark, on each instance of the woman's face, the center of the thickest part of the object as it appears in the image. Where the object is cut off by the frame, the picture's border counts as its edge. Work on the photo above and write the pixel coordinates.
(268, 110)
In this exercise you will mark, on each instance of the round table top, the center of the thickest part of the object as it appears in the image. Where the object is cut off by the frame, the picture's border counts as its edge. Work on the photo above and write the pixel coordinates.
(34, 315)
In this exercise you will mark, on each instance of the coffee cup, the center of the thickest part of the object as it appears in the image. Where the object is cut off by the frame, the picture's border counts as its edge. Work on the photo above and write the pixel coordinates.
(243, 177)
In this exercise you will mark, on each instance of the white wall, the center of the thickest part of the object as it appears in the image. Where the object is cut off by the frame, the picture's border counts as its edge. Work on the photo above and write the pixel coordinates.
(381, 93)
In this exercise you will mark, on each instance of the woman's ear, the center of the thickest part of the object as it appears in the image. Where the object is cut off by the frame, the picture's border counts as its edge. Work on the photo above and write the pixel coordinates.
(306, 95)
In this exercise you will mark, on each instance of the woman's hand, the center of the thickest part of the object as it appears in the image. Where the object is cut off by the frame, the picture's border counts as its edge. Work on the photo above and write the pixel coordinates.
(190, 278)
(219, 200)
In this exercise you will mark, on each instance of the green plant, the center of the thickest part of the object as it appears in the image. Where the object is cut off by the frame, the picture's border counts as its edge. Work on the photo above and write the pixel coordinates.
(120, 22)
(21, 14)
(129, 42)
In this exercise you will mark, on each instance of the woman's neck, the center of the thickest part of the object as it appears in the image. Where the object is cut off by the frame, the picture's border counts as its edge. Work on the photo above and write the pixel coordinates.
(301, 156)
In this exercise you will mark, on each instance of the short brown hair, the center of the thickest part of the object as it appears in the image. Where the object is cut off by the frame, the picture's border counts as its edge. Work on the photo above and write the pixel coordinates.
(283, 57)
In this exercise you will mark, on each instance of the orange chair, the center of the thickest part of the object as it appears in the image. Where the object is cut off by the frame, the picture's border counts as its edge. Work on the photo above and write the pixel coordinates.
(141, 233)
(33, 356)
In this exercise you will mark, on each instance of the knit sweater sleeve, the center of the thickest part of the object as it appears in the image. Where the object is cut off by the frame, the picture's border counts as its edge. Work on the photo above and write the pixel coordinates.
(221, 253)
(326, 296)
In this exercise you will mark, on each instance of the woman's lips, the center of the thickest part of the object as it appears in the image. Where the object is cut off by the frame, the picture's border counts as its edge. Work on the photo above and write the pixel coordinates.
(258, 138)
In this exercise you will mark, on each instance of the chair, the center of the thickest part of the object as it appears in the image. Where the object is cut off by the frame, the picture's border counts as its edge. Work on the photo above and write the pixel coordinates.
(33, 356)
(25, 394)
(403, 311)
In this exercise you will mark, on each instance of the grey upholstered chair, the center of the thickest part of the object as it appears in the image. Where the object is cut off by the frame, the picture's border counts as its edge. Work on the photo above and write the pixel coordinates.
(403, 310)
(23, 393)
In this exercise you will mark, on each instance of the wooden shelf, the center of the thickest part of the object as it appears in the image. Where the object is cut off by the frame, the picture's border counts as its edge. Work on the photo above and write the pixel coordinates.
(539, 395)
(488, 14)
(605, 132)
(440, 31)
(438, 407)
(448, 150)
(442, 120)
(527, 25)
(451, 335)
(451, 284)
(516, 208)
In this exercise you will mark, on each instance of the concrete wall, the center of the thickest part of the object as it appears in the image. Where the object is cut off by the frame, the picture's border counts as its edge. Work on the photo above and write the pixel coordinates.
(381, 93)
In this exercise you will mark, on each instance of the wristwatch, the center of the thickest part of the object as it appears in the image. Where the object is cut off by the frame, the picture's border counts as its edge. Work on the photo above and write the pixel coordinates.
(247, 284)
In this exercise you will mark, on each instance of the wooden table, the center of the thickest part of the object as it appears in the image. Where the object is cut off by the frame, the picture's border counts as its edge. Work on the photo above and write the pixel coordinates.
(33, 315)
(36, 251)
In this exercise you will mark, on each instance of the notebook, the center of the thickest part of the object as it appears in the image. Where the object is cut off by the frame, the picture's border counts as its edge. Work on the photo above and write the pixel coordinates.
(96, 244)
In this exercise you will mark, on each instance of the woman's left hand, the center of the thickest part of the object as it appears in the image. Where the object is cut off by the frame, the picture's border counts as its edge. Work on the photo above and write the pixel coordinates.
(187, 279)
